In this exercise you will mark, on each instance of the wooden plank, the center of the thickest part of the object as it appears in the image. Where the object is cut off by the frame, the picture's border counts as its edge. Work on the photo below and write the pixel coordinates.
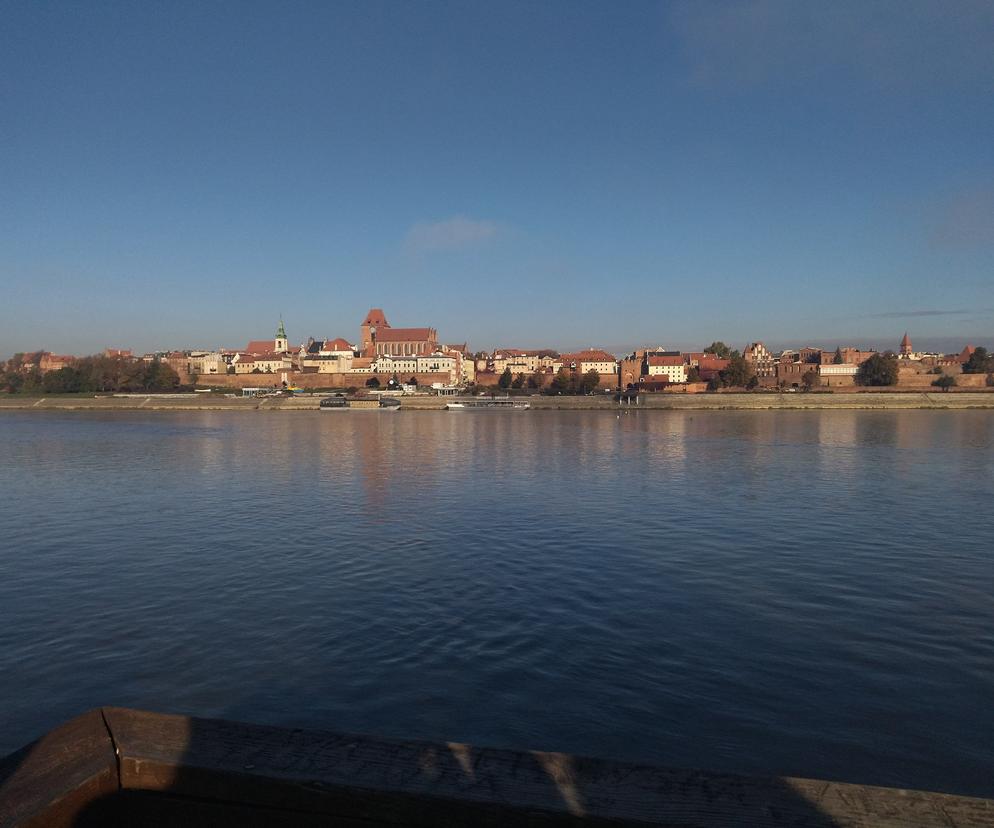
(155, 810)
(425, 784)
(53, 780)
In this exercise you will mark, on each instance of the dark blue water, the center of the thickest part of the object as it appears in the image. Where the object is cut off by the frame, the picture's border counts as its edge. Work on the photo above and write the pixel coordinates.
(808, 593)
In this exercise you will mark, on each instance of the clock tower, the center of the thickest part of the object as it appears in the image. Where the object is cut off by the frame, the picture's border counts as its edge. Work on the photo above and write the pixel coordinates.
(280, 345)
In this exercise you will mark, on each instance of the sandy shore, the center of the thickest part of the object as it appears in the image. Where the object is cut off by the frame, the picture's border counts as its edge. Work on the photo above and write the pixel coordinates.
(691, 402)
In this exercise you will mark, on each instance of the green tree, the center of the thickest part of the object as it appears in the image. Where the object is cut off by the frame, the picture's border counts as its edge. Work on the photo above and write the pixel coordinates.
(693, 375)
(64, 381)
(536, 380)
(25, 382)
(980, 362)
(837, 359)
(161, 377)
(373, 382)
(878, 370)
(505, 379)
(737, 373)
(718, 349)
(945, 382)
(560, 382)
(589, 382)
(810, 379)
(753, 382)
(518, 381)
(11, 381)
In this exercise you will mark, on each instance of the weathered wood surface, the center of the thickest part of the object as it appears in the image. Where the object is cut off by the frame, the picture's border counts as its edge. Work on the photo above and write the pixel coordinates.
(421, 784)
(48, 782)
(129, 767)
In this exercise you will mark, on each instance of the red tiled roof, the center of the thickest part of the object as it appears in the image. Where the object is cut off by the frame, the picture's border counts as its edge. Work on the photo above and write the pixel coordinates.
(666, 360)
(376, 317)
(271, 356)
(338, 344)
(966, 353)
(259, 346)
(591, 355)
(405, 335)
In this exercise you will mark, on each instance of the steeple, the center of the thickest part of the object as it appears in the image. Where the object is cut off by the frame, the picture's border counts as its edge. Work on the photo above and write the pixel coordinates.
(906, 345)
(280, 344)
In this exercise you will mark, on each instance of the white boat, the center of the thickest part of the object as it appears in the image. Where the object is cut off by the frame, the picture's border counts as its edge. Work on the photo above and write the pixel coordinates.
(488, 404)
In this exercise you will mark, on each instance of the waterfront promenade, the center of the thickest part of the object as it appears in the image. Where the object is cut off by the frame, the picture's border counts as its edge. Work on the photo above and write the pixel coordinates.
(691, 402)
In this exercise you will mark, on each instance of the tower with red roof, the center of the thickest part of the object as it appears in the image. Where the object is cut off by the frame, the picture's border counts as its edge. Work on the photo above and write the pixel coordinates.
(906, 346)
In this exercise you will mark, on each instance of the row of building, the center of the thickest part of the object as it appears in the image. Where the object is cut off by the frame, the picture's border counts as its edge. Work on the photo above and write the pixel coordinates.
(415, 356)
(382, 351)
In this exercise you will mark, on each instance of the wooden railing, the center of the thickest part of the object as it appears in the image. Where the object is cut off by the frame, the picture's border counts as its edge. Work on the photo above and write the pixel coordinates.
(128, 767)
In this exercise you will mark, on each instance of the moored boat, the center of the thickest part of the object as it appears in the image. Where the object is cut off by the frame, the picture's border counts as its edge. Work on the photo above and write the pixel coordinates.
(506, 404)
(341, 403)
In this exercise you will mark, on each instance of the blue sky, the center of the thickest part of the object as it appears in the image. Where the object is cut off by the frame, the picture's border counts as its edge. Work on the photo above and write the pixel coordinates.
(518, 174)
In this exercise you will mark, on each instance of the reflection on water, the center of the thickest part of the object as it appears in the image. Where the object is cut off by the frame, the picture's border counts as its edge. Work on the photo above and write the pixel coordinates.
(787, 592)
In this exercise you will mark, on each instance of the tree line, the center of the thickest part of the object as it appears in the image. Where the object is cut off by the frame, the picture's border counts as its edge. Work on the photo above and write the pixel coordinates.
(88, 374)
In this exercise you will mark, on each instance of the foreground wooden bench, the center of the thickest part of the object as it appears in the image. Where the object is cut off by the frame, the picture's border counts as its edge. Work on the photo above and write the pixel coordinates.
(115, 766)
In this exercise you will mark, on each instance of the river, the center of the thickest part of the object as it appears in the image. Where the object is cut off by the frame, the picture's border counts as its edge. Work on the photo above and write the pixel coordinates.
(785, 592)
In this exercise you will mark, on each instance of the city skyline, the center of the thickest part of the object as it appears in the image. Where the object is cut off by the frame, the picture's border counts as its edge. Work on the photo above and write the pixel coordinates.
(559, 175)
(882, 343)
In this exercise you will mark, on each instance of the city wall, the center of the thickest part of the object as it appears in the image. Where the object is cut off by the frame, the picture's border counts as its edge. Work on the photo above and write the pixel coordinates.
(311, 380)
(907, 379)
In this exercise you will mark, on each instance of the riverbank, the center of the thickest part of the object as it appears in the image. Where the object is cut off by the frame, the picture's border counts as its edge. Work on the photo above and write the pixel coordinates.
(691, 402)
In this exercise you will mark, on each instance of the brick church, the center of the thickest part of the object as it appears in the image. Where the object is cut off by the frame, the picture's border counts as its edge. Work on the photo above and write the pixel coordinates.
(377, 338)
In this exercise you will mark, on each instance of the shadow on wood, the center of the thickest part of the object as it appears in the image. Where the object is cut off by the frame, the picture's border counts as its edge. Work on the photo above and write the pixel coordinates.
(125, 767)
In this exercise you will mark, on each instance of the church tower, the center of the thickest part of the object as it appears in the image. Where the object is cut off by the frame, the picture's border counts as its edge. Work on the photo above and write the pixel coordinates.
(375, 320)
(281, 346)
(906, 345)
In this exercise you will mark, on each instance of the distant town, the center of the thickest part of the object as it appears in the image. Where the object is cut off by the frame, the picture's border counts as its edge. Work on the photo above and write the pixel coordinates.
(414, 360)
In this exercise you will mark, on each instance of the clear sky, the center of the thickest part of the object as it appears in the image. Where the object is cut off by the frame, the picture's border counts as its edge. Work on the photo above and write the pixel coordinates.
(557, 174)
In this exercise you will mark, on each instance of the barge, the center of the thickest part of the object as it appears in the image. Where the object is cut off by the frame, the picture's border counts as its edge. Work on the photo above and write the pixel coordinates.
(340, 403)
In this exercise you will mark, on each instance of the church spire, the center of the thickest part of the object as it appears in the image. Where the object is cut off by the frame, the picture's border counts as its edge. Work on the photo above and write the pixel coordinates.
(281, 345)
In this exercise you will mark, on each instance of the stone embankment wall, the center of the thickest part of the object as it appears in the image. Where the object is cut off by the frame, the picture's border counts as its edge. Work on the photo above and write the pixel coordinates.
(893, 400)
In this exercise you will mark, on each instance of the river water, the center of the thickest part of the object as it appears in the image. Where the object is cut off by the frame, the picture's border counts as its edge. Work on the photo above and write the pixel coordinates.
(804, 593)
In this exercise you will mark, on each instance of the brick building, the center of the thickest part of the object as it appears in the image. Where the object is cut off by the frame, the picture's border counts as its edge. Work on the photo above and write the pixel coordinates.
(378, 338)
